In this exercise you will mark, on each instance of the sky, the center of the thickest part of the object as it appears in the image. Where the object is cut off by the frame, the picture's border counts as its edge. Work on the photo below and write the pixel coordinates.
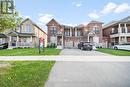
(73, 12)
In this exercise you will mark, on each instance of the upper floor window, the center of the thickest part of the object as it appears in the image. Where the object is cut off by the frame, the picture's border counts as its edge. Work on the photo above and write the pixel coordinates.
(67, 32)
(96, 30)
(123, 30)
(18, 29)
(78, 33)
(53, 30)
(28, 29)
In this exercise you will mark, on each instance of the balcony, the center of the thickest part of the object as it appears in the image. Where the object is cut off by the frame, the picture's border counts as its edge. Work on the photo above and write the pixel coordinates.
(122, 34)
(116, 31)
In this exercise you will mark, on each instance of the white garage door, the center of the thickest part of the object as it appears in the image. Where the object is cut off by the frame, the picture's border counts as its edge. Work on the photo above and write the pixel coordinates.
(68, 44)
(96, 39)
(53, 39)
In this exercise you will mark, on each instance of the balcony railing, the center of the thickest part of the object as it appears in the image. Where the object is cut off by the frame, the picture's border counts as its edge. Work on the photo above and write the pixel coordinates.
(21, 44)
(24, 44)
(122, 31)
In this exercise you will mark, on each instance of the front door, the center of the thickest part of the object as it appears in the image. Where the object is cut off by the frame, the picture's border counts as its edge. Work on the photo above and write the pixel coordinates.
(13, 41)
(59, 40)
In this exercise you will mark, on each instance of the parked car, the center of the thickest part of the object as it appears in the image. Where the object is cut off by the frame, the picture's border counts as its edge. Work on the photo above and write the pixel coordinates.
(4, 46)
(125, 46)
(85, 46)
(80, 45)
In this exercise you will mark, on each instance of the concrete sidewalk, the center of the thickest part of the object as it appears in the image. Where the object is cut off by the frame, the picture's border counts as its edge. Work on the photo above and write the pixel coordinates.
(68, 58)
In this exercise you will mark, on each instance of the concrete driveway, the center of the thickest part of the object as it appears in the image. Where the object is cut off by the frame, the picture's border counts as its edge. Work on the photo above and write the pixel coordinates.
(89, 74)
(81, 52)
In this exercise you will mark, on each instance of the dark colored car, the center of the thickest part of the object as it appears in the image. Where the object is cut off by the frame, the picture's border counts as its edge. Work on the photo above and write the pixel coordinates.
(4, 46)
(85, 46)
(80, 45)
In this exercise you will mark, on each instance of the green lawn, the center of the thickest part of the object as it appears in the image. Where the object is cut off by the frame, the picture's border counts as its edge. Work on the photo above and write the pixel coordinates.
(29, 52)
(114, 52)
(25, 74)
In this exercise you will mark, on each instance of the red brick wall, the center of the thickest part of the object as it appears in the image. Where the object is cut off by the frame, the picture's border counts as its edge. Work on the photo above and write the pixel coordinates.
(49, 25)
(73, 38)
(128, 39)
(90, 26)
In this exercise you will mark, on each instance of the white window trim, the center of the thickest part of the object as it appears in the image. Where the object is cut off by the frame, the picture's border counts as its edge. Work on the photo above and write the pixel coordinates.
(52, 27)
(28, 29)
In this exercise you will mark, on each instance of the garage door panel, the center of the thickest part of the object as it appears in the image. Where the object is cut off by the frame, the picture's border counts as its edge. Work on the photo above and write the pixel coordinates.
(68, 44)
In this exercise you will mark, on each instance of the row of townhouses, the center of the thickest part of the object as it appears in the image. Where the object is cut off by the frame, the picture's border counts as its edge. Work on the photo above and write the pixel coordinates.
(27, 34)
(117, 32)
(67, 36)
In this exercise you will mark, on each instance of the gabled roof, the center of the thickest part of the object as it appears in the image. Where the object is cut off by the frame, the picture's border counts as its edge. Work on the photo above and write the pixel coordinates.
(124, 20)
(110, 24)
(93, 22)
(33, 24)
(66, 26)
(91, 33)
(51, 21)
(69, 26)
(2, 35)
(80, 26)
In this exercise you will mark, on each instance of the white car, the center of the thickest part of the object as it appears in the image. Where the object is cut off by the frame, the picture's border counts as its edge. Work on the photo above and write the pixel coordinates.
(122, 46)
(94, 48)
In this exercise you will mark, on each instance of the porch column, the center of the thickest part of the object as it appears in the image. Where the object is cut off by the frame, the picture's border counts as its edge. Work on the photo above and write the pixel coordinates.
(125, 39)
(17, 41)
(9, 40)
(75, 31)
(126, 30)
(31, 39)
(88, 38)
(70, 32)
(119, 39)
(119, 28)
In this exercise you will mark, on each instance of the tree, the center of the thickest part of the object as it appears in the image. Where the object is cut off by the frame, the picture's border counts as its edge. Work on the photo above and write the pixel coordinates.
(9, 21)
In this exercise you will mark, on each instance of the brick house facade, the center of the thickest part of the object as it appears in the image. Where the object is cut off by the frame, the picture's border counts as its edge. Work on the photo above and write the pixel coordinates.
(68, 36)
(117, 32)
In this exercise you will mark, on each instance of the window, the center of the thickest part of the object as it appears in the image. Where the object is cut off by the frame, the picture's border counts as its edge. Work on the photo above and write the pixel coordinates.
(0, 40)
(96, 30)
(78, 33)
(28, 29)
(53, 30)
(123, 30)
(67, 32)
(18, 29)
